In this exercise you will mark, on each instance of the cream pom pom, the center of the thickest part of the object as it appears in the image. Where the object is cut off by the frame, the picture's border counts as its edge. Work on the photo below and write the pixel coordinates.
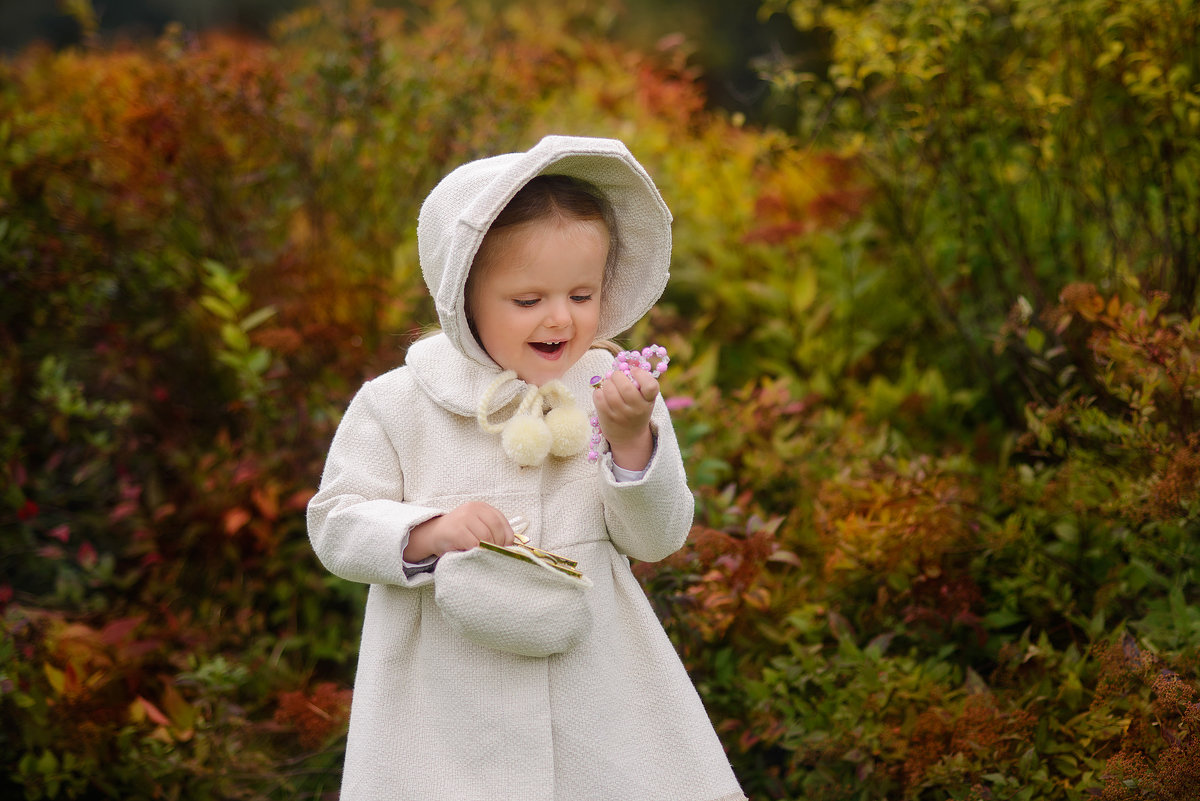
(570, 428)
(526, 440)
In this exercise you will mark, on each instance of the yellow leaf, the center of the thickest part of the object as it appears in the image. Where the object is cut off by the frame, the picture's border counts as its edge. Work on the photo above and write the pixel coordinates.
(804, 290)
(57, 679)
(758, 598)
(787, 557)
(182, 714)
(705, 365)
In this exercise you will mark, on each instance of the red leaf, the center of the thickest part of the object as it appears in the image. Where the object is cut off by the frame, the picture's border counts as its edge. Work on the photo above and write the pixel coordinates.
(87, 555)
(28, 511)
(246, 472)
(154, 713)
(267, 501)
(61, 533)
(120, 629)
(122, 510)
(235, 519)
(299, 499)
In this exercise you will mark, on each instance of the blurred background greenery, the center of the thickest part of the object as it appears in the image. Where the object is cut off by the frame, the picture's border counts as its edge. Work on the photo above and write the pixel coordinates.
(728, 40)
(934, 334)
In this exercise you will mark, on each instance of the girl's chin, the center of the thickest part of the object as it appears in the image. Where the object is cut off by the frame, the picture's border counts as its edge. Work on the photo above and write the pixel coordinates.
(541, 378)
(539, 374)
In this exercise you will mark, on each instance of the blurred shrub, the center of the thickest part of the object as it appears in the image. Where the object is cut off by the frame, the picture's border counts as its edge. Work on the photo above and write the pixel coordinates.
(992, 434)
(870, 619)
(1010, 147)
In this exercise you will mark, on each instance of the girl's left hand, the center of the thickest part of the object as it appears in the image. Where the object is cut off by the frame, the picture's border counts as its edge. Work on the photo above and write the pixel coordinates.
(624, 411)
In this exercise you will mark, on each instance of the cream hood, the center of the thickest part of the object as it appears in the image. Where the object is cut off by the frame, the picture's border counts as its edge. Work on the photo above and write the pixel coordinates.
(461, 208)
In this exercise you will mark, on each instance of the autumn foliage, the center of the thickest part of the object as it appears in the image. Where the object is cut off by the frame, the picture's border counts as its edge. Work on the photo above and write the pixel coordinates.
(946, 460)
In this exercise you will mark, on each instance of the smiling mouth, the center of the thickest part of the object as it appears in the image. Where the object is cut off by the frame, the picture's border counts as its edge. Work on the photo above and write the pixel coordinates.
(547, 348)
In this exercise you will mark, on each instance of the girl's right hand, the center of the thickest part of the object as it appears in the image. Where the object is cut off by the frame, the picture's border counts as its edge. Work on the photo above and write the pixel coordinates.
(458, 530)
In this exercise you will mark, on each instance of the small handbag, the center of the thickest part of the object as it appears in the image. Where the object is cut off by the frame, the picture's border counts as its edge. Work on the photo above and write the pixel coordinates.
(516, 599)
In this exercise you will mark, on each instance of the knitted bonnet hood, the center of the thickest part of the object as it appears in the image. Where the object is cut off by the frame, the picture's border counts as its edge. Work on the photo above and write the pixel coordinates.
(461, 208)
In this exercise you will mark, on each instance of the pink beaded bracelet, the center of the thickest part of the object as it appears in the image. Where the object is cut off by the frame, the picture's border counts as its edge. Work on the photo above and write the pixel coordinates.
(653, 359)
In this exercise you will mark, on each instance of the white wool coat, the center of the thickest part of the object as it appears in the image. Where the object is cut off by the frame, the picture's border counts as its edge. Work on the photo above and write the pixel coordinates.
(436, 716)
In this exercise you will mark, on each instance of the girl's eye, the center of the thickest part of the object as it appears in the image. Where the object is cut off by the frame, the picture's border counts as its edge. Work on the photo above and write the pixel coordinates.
(581, 298)
(525, 303)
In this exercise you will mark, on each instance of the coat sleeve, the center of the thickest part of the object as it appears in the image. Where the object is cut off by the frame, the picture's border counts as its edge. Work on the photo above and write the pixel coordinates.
(649, 519)
(357, 521)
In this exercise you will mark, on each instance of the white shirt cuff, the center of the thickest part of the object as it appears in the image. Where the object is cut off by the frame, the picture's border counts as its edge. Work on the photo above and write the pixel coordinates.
(621, 475)
(411, 569)
(426, 565)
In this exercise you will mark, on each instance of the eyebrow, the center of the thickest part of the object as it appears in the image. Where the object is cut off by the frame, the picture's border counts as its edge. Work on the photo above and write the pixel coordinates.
(527, 289)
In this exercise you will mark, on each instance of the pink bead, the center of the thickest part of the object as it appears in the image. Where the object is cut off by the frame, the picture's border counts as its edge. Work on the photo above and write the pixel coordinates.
(624, 362)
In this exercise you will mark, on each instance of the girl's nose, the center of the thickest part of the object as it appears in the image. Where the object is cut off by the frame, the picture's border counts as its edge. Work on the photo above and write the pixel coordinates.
(557, 314)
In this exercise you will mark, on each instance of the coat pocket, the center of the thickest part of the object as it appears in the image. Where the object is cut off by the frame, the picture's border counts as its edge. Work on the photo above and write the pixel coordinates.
(511, 605)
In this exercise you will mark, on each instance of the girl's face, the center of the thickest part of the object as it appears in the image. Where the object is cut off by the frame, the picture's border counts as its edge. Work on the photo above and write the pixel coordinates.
(536, 299)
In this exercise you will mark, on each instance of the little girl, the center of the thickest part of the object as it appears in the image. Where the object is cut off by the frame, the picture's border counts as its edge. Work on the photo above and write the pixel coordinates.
(487, 678)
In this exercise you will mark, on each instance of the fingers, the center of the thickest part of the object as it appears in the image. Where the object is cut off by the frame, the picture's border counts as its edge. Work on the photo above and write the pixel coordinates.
(505, 535)
(647, 384)
(624, 409)
(637, 388)
(475, 522)
(488, 524)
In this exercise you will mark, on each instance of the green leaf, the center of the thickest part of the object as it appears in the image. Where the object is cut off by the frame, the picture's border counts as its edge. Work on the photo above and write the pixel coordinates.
(235, 338)
(804, 290)
(259, 361)
(218, 307)
(1035, 339)
(47, 763)
(257, 318)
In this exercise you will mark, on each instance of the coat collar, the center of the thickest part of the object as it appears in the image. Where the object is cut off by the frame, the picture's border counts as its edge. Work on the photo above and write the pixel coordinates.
(456, 382)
